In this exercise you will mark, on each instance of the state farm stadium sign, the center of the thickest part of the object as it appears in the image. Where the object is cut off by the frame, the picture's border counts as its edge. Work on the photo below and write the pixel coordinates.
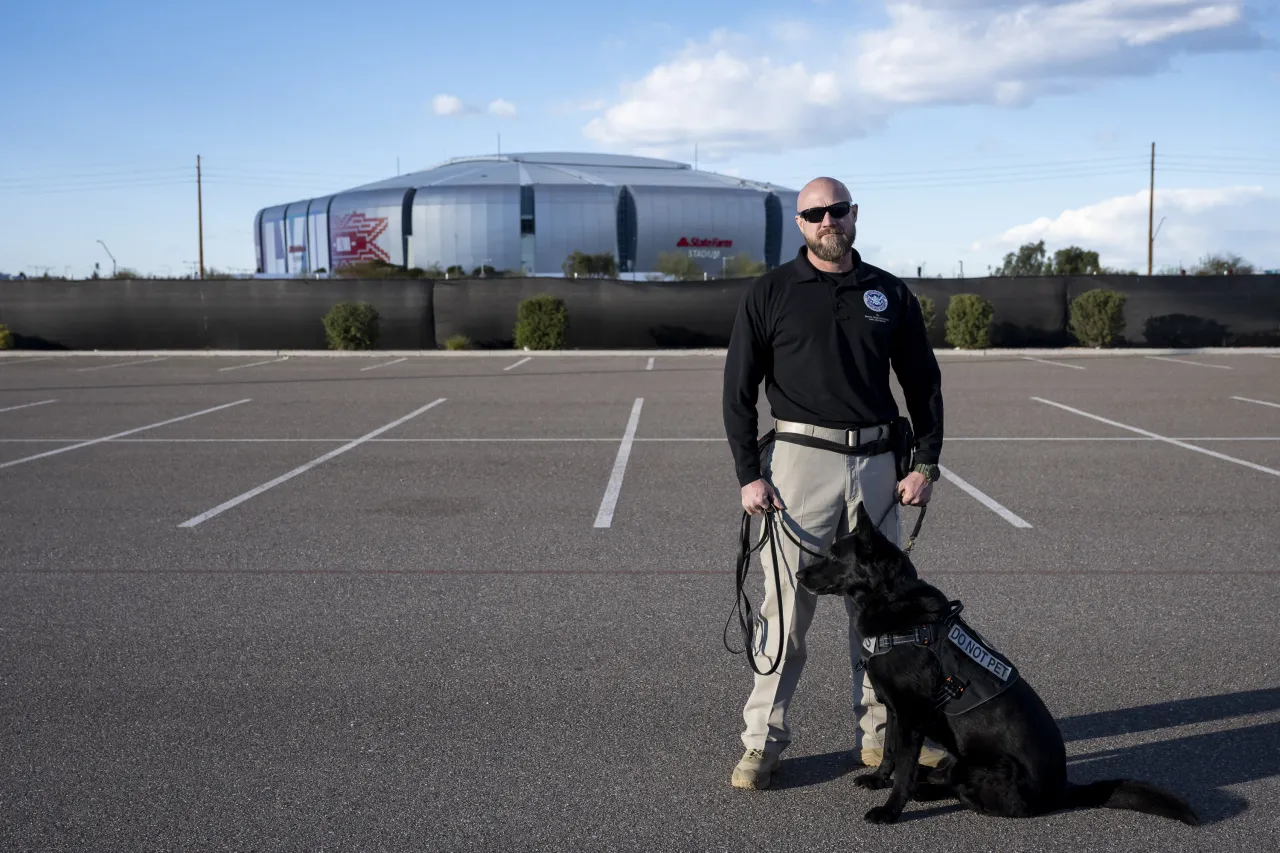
(703, 247)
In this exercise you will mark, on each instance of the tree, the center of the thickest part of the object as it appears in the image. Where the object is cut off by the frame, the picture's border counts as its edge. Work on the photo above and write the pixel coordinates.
(601, 265)
(1075, 261)
(1228, 264)
(376, 269)
(1027, 261)
(679, 265)
(741, 266)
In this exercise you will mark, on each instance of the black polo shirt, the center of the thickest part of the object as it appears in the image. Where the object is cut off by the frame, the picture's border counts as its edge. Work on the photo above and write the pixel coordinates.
(823, 344)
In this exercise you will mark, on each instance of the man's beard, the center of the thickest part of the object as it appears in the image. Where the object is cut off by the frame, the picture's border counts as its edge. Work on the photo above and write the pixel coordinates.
(831, 246)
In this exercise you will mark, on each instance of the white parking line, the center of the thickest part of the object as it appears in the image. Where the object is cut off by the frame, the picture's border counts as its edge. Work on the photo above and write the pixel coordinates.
(518, 363)
(383, 364)
(23, 360)
(223, 507)
(26, 406)
(1163, 438)
(120, 364)
(984, 499)
(1259, 402)
(649, 366)
(121, 434)
(1184, 361)
(571, 439)
(604, 517)
(1056, 363)
(252, 364)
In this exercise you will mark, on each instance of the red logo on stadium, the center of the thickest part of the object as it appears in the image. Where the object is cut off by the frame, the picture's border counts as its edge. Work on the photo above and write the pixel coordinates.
(703, 241)
(355, 236)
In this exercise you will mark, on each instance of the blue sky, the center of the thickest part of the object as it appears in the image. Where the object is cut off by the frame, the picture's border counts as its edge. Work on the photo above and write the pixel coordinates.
(962, 127)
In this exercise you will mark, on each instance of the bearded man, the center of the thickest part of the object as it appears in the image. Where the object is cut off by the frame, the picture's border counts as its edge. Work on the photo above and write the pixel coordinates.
(822, 332)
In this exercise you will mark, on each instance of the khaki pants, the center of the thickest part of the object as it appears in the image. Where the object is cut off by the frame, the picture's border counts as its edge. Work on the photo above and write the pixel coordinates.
(820, 490)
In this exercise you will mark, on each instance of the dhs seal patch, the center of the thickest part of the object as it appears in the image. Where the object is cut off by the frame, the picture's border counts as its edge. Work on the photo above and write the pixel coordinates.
(875, 300)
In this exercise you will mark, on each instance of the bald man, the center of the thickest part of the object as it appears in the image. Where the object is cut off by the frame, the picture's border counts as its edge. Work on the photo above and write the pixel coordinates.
(822, 332)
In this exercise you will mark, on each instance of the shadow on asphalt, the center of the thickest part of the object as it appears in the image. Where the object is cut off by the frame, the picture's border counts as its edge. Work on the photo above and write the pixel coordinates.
(1199, 767)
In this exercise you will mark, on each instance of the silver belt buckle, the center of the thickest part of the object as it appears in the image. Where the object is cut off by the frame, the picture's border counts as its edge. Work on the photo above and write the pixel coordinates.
(853, 437)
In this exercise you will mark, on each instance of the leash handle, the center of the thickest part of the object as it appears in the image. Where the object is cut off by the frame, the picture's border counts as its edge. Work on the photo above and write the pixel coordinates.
(745, 622)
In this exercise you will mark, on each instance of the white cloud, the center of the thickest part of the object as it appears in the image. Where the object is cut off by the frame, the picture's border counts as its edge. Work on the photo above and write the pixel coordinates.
(726, 102)
(451, 105)
(794, 32)
(733, 92)
(502, 108)
(1010, 53)
(448, 105)
(1244, 219)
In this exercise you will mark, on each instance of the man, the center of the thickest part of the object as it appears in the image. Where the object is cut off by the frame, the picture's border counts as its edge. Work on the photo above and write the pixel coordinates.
(822, 332)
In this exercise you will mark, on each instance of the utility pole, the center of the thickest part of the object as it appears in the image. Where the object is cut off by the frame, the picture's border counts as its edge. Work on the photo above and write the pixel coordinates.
(200, 214)
(1151, 213)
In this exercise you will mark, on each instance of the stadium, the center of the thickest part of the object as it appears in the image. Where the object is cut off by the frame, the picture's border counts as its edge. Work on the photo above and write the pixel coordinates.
(528, 212)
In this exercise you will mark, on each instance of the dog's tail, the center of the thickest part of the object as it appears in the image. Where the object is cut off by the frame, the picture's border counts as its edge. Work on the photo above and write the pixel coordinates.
(1130, 794)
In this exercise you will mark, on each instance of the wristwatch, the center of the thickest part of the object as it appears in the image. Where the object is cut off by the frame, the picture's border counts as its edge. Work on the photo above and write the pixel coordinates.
(931, 472)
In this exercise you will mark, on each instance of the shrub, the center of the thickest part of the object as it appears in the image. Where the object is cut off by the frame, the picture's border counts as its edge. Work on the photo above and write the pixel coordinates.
(349, 326)
(969, 321)
(600, 265)
(680, 266)
(926, 309)
(6, 338)
(458, 342)
(1184, 330)
(1097, 317)
(541, 323)
(741, 266)
(377, 268)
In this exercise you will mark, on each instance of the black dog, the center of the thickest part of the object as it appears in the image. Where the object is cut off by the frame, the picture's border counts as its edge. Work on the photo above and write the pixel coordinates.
(938, 678)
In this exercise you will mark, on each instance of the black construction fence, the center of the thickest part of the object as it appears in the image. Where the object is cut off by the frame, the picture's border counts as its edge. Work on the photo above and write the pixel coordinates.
(1161, 311)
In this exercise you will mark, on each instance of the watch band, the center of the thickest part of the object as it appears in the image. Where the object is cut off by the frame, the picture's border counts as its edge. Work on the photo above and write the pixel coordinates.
(931, 472)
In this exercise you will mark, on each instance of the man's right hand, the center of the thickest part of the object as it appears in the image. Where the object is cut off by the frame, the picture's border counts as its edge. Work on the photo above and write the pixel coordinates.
(757, 497)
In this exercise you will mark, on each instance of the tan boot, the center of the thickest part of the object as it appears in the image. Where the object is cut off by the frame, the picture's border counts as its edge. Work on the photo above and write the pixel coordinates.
(755, 769)
(929, 756)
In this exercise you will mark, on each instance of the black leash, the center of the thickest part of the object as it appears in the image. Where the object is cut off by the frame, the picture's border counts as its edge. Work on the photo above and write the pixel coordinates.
(746, 623)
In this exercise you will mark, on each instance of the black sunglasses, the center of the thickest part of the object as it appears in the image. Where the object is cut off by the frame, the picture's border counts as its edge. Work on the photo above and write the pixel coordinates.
(839, 210)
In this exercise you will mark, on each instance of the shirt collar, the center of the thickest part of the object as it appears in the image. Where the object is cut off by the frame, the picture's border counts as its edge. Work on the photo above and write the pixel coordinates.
(806, 272)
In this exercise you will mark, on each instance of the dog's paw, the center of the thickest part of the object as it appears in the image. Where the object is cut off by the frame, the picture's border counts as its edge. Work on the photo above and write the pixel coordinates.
(882, 814)
(872, 782)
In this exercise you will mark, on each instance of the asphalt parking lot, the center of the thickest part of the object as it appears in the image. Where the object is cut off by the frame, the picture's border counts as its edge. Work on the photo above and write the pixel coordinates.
(476, 603)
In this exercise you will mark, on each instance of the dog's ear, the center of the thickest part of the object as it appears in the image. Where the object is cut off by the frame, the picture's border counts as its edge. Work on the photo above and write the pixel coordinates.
(863, 525)
(864, 529)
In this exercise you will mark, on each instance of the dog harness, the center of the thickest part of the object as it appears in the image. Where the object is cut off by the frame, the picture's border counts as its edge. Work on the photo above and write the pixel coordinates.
(973, 671)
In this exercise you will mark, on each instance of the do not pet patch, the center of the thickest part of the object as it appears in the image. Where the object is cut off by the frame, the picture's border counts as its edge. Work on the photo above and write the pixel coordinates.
(978, 653)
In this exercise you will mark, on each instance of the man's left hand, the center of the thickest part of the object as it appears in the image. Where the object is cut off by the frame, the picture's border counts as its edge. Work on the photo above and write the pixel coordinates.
(915, 489)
